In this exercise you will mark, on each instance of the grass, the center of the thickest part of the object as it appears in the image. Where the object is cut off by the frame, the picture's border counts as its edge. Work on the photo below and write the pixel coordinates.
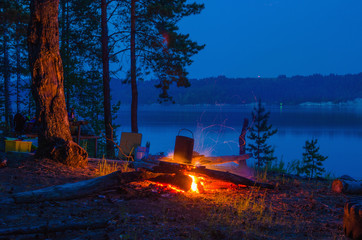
(279, 166)
(241, 210)
(105, 168)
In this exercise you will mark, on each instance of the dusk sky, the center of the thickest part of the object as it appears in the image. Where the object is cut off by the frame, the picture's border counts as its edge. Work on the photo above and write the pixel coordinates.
(247, 38)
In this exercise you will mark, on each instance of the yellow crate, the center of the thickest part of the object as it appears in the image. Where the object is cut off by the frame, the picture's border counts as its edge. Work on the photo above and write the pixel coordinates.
(24, 146)
(17, 146)
(10, 145)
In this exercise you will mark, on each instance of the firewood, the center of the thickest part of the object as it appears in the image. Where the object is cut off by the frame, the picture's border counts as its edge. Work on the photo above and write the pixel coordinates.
(346, 186)
(352, 219)
(79, 189)
(204, 161)
(179, 180)
(230, 177)
(165, 167)
(115, 179)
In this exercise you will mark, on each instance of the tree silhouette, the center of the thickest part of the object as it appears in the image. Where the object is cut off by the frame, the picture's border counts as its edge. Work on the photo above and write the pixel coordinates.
(312, 160)
(260, 132)
(156, 44)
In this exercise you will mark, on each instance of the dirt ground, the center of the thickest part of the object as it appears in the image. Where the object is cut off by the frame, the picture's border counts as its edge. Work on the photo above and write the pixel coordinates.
(295, 209)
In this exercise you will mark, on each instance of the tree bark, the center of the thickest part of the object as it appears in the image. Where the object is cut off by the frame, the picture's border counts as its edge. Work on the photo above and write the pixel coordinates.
(55, 140)
(134, 104)
(106, 78)
(242, 141)
(64, 41)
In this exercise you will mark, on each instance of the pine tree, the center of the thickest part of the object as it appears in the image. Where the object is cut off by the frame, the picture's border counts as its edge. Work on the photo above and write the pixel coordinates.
(54, 137)
(312, 164)
(7, 29)
(260, 132)
(156, 44)
(82, 56)
(21, 55)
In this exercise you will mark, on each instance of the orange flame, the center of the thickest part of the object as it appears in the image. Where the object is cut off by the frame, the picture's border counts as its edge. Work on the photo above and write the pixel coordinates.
(197, 184)
(193, 184)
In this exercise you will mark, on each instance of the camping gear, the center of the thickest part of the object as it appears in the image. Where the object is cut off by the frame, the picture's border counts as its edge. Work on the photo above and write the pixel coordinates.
(129, 143)
(17, 146)
(184, 147)
(141, 152)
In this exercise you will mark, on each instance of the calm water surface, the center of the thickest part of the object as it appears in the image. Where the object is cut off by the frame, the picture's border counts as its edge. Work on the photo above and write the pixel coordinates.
(217, 128)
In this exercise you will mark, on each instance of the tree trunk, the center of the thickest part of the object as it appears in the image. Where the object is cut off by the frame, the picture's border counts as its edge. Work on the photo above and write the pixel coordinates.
(242, 141)
(106, 79)
(55, 140)
(134, 104)
(8, 117)
(64, 37)
(18, 68)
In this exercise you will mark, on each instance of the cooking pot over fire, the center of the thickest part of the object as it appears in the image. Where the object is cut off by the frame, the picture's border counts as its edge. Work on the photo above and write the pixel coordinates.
(184, 147)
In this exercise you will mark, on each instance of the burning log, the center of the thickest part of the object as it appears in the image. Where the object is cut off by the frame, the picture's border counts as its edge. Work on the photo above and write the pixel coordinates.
(229, 177)
(178, 180)
(165, 167)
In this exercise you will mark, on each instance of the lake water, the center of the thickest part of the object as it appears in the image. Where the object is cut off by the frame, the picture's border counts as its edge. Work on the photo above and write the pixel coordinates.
(217, 128)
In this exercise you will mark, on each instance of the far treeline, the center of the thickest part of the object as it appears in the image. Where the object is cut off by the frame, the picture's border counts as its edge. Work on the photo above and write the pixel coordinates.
(286, 90)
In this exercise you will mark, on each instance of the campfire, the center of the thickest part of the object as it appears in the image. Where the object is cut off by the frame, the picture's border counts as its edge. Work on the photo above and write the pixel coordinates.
(196, 186)
(197, 179)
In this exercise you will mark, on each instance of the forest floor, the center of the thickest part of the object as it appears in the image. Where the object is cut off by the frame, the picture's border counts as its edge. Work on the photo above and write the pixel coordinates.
(295, 209)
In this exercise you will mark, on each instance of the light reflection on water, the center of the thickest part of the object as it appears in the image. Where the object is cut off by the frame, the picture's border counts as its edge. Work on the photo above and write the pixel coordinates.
(216, 130)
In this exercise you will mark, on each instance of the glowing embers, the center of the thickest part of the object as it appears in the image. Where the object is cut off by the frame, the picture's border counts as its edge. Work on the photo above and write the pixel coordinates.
(180, 183)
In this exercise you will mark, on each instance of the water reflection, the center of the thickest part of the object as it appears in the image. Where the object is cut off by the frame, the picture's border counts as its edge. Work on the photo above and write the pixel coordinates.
(338, 130)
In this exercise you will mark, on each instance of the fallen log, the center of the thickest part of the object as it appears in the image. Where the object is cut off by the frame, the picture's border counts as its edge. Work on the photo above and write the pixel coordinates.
(79, 189)
(165, 167)
(96, 185)
(352, 219)
(346, 186)
(230, 177)
(204, 161)
(53, 227)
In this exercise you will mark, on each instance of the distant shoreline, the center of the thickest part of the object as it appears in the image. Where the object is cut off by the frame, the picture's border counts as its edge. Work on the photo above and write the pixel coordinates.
(357, 103)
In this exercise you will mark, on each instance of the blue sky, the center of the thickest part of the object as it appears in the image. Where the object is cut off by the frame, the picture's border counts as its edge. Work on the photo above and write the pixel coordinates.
(250, 38)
